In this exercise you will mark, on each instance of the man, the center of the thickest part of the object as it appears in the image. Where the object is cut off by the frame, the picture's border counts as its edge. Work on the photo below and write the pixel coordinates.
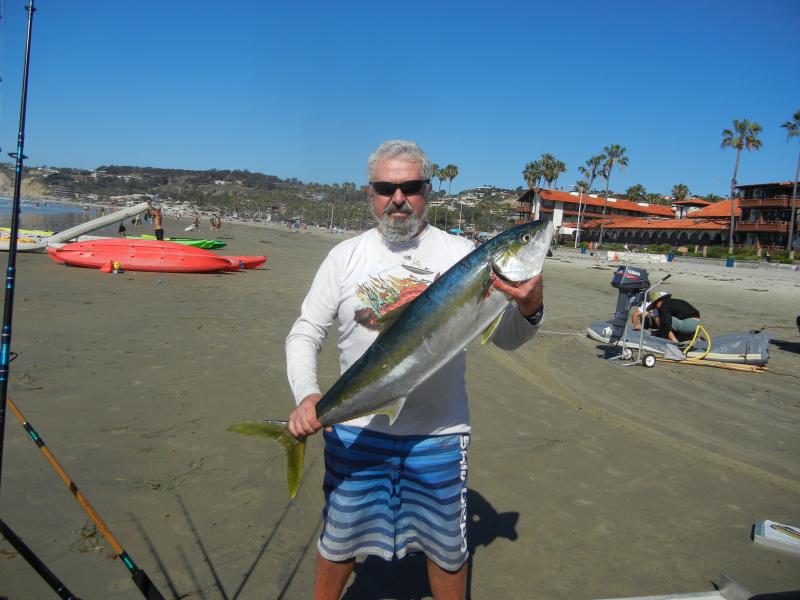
(391, 490)
(644, 316)
(155, 214)
(674, 316)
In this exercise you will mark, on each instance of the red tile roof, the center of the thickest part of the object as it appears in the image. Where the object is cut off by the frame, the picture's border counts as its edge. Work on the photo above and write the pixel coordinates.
(717, 210)
(693, 202)
(568, 198)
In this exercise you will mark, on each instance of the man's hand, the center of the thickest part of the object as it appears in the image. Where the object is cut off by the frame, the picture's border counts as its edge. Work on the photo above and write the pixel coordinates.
(303, 419)
(529, 294)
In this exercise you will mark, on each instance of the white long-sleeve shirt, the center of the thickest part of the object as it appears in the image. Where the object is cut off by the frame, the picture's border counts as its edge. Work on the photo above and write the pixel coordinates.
(365, 277)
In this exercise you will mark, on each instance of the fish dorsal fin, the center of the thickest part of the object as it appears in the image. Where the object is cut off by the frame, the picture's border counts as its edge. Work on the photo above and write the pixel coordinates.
(391, 409)
(390, 317)
(489, 331)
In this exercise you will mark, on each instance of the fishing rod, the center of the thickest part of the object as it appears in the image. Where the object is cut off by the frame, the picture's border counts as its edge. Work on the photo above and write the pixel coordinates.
(35, 562)
(8, 307)
(140, 578)
(5, 336)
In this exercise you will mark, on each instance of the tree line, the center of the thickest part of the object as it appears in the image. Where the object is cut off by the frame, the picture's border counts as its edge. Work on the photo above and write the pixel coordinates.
(743, 136)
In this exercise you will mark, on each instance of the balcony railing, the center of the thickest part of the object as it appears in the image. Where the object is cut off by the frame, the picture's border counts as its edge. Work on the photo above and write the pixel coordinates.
(767, 226)
(782, 201)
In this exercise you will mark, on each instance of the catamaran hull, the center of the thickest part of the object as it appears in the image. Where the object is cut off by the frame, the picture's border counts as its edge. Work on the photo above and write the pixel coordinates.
(750, 348)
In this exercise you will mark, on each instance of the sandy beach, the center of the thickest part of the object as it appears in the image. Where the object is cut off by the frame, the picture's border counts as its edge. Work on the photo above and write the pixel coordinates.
(587, 480)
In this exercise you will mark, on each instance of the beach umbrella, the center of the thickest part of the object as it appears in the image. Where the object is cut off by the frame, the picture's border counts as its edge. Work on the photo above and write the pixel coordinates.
(456, 230)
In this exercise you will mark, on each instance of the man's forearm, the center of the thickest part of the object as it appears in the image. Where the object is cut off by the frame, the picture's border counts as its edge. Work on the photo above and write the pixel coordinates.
(515, 329)
(301, 366)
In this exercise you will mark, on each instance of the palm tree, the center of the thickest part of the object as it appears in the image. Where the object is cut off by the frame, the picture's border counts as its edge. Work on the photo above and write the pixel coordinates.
(592, 169)
(744, 135)
(680, 191)
(793, 130)
(548, 162)
(615, 155)
(435, 173)
(558, 168)
(636, 193)
(532, 174)
(451, 172)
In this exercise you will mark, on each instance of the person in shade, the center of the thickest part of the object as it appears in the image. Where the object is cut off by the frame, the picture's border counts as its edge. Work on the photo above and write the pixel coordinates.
(677, 320)
(393, 490)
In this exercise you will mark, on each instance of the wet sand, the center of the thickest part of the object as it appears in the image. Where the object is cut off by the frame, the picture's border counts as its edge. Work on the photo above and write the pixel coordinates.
(587, 480)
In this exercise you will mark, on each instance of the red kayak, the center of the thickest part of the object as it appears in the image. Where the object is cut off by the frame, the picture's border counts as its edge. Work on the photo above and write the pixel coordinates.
(109, 244)
(133, 260)
(245, 262)
(115, 245)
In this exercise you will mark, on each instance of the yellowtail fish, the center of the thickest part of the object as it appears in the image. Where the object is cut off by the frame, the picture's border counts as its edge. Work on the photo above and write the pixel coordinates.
(421, 337)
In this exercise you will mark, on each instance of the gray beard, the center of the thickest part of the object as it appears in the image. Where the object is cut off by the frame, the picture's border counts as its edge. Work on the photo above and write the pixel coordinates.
(400, 230)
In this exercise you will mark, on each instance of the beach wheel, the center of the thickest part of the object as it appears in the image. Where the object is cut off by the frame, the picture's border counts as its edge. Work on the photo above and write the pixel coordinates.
(649, 361)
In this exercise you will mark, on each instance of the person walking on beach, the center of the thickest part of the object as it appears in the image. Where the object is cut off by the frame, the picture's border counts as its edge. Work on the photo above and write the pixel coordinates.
(215, 222)
(158, 229)
(406, 507)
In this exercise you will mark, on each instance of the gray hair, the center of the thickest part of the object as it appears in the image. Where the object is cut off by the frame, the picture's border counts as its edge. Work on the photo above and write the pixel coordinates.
(402, 149)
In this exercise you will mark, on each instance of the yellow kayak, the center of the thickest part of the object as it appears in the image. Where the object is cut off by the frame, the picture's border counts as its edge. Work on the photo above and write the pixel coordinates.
(34, 232)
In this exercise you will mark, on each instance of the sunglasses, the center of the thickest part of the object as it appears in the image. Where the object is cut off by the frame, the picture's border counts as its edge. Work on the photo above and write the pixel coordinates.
(408, 188)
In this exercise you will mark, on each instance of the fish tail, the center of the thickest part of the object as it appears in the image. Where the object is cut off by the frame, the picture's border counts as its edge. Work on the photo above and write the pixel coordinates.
(279, 431)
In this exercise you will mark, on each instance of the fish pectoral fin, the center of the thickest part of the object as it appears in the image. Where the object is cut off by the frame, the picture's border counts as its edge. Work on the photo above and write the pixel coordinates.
(489, 331)
(392, 409)
(390, 317)
(279, 431)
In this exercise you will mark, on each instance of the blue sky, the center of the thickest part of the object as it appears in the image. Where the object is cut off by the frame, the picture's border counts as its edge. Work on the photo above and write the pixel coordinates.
(308, 89)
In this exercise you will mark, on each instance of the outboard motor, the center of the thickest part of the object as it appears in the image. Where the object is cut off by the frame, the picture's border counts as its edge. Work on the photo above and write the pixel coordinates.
(632, 283)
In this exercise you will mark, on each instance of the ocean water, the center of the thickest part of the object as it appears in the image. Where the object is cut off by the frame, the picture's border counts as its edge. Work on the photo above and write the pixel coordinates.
(49, 215)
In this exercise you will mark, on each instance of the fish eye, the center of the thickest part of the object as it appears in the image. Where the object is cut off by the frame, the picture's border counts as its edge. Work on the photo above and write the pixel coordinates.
(525, 237)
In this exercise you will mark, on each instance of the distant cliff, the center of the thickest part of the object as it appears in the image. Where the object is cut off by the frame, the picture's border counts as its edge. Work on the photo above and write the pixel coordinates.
(31, 187)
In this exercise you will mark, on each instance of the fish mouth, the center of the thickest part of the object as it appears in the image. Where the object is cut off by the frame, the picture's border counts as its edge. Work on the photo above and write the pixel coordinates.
(496, 272)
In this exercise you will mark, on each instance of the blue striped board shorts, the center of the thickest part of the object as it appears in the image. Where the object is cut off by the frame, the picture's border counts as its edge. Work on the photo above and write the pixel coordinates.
(390, 496)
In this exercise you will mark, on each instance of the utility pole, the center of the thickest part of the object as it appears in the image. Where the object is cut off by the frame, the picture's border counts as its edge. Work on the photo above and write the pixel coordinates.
(578, 227)
(790, 241)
